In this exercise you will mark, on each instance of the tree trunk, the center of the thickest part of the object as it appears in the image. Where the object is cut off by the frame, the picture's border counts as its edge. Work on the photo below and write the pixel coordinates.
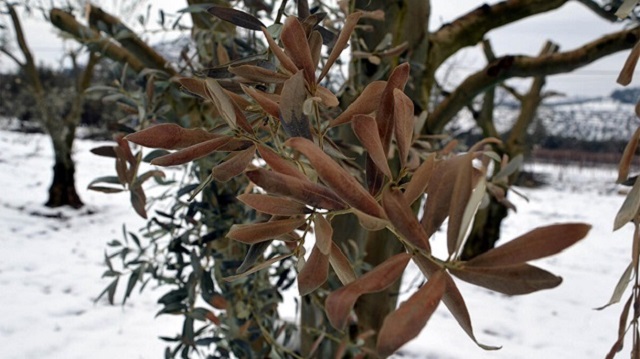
(486, 230)
(62, 191)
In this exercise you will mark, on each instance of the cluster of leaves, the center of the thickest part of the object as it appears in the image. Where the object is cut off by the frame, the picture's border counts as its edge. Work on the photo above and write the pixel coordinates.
(629, 213)
(277, 134)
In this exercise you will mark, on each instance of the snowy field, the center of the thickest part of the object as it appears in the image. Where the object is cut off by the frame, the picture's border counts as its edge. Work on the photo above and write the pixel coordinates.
(51, 263)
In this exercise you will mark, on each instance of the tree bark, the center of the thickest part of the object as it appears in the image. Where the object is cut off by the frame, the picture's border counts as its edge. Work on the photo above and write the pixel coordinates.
(62, 191)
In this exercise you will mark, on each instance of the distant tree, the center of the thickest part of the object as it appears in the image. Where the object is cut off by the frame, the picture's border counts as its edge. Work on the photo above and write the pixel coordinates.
(627, 95)
(60, 125)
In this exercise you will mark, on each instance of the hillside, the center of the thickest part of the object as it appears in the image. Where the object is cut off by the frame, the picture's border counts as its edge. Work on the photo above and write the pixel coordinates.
(597, 124)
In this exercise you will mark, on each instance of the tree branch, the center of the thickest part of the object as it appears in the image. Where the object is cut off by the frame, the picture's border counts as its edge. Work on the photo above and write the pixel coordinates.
(485, 116)
(469, 29)
(11, 56)
(523, 66)
(128, 39)
(92, 39)
(529, 107)
(599, 10)
(29, 65)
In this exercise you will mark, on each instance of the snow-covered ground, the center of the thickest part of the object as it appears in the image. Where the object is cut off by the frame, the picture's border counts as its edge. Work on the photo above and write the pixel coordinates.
(51, 261)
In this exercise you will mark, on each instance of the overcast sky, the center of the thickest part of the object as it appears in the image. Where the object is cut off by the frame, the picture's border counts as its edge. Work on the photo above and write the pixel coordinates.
(570, 26)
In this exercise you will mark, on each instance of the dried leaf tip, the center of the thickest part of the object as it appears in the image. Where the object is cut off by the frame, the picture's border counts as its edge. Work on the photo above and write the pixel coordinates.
(625, 9)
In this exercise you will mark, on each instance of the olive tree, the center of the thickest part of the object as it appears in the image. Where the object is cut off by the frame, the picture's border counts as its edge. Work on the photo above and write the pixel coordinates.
(277, 147)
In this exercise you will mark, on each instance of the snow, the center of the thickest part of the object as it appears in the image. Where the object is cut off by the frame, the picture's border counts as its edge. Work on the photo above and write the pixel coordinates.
(51, 261)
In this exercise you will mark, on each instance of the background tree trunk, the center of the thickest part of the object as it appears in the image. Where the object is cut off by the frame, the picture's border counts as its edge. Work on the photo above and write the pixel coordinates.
(62, 131)
(62, 191)
(486, 229)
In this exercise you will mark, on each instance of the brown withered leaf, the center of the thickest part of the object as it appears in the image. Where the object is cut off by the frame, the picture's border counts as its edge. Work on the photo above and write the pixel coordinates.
(402, 218)
(626, 74)
(285, 61)
(538, 243)
(193, 85)
(460, 195)
(510, 280)
(341, 265)
(340, 302)
(121, 165)
(139, 201)
(384, 115)
(341, 43)
(279, 164)
(627, 156)
(315, 46)
(365, 104)
(258, 74)
(241, 119)
(104, 151)
(311, 22)
(440, 191)
(452, 298)
(295, 43)
(403, 118)
(233, 165)
(123, 150)
(269, 106)
(294, 93)
(337, 178)
(259, 232)
(324, 234)
(406, 322)
(303, 9)
(622, 329)
(370, 223)
(192, 152)
(366, 131)
(457, 307)
(419, 181)
(222, 54)
(328, 98)
(305, 191)
(236, 17)
(277, 206)
(314, 273)
(385, 121)
(236, 145)
(221, 100)
(105, 189)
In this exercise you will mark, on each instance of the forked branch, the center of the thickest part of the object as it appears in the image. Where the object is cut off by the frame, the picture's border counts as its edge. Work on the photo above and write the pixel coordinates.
(524, 66)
